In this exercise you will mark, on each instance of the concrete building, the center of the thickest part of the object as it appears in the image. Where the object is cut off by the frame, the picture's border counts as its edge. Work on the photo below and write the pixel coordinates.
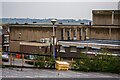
(1, 35)
(103, 34)
(5, 37)
(30, 38)
(72, 39)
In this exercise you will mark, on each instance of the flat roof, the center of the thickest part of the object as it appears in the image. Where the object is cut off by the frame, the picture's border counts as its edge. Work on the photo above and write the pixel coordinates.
(34, 44)
(63, 25)
(93, 43)
(105, 26)
(44, 25)
(105, 11)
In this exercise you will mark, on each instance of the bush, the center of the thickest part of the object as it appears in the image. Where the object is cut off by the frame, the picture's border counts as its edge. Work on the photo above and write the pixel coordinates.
(45, 62)
(51, 63)
(40, 64)
(101, 63)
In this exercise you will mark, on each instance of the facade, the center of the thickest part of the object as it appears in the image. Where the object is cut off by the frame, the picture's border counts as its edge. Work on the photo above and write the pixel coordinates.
(1, 35)
(106, 17)
(5, 37)
(40, 35)
(103, 34)
(30, 38)
(106, 24)
(72, 39)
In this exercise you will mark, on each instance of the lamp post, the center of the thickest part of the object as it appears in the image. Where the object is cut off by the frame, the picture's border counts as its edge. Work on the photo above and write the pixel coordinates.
(22, 54)
(53, 22)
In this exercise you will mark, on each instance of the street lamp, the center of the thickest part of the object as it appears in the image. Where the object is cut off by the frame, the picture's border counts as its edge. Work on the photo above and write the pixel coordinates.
(22, 54)
(53, 22)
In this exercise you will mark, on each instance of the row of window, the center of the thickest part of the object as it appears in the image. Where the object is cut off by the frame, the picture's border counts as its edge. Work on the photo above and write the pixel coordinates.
(74, 34)
(74, 49)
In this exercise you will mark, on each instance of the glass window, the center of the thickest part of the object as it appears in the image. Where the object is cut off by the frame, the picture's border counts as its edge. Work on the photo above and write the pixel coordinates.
(62, 49)
(61, 34)
(73, 49)
(68, 34)
(75, 34)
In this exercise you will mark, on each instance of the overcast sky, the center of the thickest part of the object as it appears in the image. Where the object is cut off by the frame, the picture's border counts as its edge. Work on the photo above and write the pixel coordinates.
(75, 10)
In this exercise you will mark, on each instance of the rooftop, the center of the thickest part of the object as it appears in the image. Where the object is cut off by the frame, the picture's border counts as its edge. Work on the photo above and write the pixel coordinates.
(63, 25)
(105, 11)
(95, 43)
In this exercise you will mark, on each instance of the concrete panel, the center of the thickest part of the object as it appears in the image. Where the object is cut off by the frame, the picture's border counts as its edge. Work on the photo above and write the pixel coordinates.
(100, 33)
(30, 34)
(71, 33)
(15, 46)
(65, 33)
(102, 19)
(78, 33)
(115, 34)
(83, 33)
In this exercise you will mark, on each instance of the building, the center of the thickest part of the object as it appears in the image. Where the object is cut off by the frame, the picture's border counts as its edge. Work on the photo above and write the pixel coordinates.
(30, 38)
(103, 34)
(71, 38)
(5, 37)
(1, 35)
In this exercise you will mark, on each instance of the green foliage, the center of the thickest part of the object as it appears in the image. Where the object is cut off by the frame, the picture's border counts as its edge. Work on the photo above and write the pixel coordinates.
(101, 63)
(40, 64)
(45, 62)
(51, 63)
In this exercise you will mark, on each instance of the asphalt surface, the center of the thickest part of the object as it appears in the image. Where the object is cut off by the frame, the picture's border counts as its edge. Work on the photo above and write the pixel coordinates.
(48, 73)
(17, 62)
(52, 73)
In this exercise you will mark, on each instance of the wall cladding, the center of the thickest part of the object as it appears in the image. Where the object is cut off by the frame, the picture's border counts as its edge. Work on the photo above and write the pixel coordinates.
(115, 34)
(100, 19)
(15, 46)
(30, 34)
(34, 49)
(100, 33)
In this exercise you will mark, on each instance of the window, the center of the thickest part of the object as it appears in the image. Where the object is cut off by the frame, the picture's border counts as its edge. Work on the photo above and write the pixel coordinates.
(68, 34)
(61, 34)
(75, 34)
(62, 49)
(6, 39)
(73, 49)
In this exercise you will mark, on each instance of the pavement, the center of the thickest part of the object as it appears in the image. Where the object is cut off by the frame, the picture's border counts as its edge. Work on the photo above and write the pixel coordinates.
(49, 73)
(17, 62)
(52, 73)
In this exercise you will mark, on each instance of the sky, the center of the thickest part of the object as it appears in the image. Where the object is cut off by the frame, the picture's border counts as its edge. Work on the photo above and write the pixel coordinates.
(59, 10)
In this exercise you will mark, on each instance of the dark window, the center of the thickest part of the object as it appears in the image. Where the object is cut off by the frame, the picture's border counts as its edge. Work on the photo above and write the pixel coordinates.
(74, 34)
(68, 34)
(61, 34)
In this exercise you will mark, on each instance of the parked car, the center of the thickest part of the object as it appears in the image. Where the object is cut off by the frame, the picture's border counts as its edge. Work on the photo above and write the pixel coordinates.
(5, 57)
